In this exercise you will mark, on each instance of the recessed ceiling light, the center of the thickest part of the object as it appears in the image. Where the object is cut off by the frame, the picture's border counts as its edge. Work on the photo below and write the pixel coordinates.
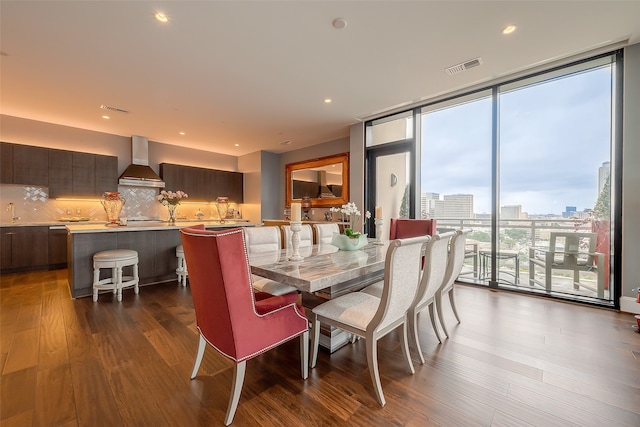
(339, 23)
(106, 117)
(182, 133)
(509, 29)
(327, 100)
(237, 145)
(161, 16)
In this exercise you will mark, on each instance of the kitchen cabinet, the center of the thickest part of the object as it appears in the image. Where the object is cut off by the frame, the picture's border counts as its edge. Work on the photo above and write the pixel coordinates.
(6, 163)
(57, 247)
(81, 174)
(106, 174)
(60, 173)
(30, 165)
(24, 248)
(66, 173)
(84, 174)
(203, 184)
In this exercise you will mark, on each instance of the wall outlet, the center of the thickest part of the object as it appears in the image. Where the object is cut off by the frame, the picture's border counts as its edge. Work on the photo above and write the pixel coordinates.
(313, 211)
(78, 211)
(69, 211)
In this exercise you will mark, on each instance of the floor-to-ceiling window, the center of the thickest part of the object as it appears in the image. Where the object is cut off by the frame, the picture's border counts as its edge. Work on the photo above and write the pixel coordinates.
(525, 165)
(455, 172)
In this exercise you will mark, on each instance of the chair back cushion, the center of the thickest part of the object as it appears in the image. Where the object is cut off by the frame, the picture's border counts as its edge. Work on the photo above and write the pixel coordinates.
(403, 228)
(456, 258)
(401, 276)
(324, 232)
(223, 297)
(435, 267)
(262, 239)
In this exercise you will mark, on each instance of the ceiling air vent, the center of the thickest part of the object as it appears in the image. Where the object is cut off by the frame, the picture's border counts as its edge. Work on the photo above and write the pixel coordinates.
(116, 109)
(464, 66)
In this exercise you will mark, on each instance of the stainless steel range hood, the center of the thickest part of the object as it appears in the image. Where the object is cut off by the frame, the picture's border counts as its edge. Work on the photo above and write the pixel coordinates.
(139, 173)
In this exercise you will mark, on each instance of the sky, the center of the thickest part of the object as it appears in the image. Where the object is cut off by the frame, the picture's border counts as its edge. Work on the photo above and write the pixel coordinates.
(553, 137)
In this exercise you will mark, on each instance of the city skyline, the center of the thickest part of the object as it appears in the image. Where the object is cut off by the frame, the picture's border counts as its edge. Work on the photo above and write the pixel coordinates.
(554, 139)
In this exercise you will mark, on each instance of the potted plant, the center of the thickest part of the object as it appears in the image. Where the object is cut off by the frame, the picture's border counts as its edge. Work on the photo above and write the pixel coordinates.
(601, 225)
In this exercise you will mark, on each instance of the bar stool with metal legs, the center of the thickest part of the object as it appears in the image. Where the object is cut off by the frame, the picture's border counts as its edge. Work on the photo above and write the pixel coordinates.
(115, 259)
(181, 271)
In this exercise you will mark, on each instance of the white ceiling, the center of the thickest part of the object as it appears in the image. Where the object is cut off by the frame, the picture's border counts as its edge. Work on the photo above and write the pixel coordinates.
(255, 73)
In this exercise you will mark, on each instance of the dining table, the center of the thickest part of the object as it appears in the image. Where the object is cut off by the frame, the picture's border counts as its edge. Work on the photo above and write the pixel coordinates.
(324, 272)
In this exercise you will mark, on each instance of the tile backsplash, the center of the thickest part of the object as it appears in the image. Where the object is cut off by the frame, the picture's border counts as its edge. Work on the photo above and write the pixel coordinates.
(32, 204)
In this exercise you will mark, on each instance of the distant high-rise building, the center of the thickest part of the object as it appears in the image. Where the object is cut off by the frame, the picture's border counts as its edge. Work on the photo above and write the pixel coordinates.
(603, 174)
(511, 212)
(454, 206)
(569, 212)
(428, 204)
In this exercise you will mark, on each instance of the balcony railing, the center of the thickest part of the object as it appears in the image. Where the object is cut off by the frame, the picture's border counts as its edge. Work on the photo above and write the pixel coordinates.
(516, 238)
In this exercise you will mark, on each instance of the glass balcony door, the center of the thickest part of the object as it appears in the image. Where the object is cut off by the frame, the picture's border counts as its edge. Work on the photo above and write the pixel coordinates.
(555, 157)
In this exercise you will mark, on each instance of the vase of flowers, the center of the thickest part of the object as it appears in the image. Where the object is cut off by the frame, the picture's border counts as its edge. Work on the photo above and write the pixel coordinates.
(353, 238)
(350, 214)
(171, 200)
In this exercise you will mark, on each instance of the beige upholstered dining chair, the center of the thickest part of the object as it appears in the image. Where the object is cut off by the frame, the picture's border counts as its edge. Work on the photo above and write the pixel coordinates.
(266, 240)
(454, 267)
(324, 232)
(433, 274)
(372, 318)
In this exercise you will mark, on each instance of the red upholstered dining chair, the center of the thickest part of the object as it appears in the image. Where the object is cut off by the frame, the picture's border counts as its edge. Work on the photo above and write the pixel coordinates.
(229, 316)
(404, 228)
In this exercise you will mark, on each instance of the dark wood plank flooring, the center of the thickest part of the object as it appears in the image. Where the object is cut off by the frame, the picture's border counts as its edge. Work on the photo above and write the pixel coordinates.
(513, 361)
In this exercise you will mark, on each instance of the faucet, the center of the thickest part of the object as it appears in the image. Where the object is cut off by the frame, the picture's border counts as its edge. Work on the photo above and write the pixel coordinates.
(12, 208)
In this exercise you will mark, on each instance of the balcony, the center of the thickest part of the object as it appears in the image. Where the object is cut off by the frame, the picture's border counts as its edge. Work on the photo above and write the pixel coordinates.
(517, 237)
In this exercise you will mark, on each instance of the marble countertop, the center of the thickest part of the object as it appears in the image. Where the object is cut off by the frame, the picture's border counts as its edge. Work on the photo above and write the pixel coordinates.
(62, 223)
(152, 225)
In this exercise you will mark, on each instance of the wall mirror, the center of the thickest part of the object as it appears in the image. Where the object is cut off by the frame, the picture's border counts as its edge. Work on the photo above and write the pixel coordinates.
(325, 181)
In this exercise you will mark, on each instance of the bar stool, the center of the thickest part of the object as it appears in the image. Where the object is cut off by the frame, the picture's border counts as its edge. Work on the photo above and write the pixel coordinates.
(115, 259)
(181, 271)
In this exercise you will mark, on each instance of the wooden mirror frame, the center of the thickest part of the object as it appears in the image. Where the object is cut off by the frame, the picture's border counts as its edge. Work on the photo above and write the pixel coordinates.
(342, 159)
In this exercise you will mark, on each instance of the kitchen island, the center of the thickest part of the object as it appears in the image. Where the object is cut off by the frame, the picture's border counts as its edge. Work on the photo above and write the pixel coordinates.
(155, 242)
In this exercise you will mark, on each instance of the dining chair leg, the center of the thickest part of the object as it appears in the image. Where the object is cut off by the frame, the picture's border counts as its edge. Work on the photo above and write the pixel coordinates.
(412, 318)
(453, 305)
(238, 371)
(201, 346)
(440, 316)
(432, 315)
(404, 343)
(304, 354)
(315, 340)
(372, 361)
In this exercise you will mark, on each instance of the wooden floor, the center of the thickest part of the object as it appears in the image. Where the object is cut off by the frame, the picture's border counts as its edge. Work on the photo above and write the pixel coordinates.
(513, 361)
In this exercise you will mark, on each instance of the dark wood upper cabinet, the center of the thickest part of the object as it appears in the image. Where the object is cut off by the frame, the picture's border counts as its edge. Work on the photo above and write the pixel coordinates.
(203, 184)
(106, 174)
(6, 163)
(30, 165)
(66, 173)
(84, 174)
(60, 173)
